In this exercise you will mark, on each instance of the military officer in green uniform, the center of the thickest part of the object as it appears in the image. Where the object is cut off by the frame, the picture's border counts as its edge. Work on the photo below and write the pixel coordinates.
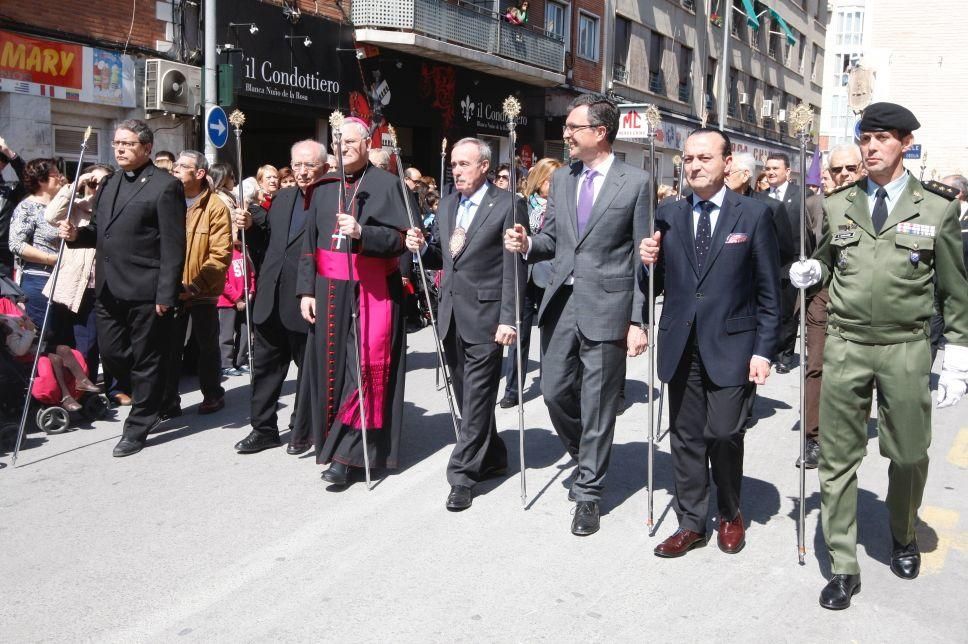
(889, 242)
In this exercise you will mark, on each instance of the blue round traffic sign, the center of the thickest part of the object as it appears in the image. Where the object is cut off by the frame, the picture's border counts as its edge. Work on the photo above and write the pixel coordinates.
(217, 126)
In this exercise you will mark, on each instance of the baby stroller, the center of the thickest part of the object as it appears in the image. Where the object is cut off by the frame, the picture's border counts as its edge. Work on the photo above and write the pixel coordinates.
(45, 396)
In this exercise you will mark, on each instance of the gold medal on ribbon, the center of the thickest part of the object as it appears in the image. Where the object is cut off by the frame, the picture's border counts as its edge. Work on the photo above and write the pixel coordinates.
(457, 240)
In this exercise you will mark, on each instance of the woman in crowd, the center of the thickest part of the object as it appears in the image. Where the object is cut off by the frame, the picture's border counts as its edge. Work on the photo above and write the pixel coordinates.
(268, 178)
(32, 239)
(761, 185)
(536, 189)
(73, 294)
(286, 178)
(221, 176)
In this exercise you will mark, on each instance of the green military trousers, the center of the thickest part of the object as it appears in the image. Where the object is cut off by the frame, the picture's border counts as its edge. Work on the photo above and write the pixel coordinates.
(901, 373)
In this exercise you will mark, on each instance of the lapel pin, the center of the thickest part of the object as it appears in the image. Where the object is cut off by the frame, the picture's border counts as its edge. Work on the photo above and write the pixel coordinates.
(143, 179)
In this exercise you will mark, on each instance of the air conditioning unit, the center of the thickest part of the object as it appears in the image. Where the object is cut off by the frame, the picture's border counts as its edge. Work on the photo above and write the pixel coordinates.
(781, 116)
(172, 87)
(766, 111)
(744, 98)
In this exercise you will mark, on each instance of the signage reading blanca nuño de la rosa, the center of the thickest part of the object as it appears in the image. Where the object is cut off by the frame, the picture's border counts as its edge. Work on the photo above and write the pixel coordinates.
(261, 78)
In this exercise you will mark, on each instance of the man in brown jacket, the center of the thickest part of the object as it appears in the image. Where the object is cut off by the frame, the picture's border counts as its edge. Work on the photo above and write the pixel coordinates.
(208, 253)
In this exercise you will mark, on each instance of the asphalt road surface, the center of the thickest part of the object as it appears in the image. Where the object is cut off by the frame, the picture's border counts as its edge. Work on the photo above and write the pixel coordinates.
(190, 541)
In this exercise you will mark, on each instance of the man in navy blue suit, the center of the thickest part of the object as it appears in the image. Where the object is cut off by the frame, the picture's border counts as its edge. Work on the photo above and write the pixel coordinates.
(719, 270)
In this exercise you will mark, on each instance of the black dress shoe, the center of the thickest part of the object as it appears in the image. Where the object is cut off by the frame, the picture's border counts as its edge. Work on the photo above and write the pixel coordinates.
(783, 367)
(296, 450)
(838, 591)
(460, 498)
(256, 442)
(127, 447)
(906, 560)
(587, 520)
(509, 400)
(812, 454)
(337, 474)
(170, 412)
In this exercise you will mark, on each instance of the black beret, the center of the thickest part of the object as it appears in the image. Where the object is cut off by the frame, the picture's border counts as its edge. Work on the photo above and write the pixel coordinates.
(881, 117)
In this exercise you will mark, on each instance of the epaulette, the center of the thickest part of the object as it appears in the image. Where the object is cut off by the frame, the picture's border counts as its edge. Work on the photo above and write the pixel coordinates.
(941, 189)
(843, 187)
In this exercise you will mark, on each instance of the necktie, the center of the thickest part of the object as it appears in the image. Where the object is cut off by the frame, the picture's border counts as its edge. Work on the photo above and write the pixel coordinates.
(586, 198)
(879, 216)
(459, 235)
(704, 233)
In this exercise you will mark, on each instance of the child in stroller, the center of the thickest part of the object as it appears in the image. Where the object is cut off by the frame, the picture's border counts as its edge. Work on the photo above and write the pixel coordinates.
(61, 373)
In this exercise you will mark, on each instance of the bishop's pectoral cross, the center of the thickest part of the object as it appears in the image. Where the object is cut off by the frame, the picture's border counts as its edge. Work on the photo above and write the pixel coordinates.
(339, 237)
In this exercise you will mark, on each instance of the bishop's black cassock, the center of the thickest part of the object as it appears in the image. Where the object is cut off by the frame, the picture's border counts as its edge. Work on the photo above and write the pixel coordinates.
(375, 199)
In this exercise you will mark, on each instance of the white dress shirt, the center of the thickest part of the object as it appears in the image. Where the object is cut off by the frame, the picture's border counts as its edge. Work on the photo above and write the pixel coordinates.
(894, 190)
(598, 181)
(717, 200)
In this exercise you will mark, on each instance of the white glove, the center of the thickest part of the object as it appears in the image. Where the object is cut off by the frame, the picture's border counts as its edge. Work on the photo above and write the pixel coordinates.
(805, 273)
(953, 383)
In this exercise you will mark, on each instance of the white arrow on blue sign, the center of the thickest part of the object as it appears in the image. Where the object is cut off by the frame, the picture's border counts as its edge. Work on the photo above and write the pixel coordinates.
(217, 126)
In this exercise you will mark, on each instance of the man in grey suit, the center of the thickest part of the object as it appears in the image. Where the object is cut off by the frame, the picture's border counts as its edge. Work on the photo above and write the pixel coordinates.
(591, 314)
(476, 312)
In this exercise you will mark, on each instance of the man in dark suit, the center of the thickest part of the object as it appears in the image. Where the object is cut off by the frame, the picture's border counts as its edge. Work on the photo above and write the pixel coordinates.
(591, 314)
(476, 311)
(778, 172)
(280, 330)
(10, 195)
(138, 228)
(719, 270)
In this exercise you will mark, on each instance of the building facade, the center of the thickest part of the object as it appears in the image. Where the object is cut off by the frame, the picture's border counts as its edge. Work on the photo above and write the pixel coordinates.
(895, 51)
(670, 53)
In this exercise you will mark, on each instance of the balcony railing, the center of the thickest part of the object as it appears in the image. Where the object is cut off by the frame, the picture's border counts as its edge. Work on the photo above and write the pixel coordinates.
(463, 24)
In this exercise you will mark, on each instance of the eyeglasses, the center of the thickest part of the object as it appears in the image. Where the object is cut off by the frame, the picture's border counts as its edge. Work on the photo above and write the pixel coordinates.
(506, 177)
(300, 165)
(837, 168)
(124, 144)
(571, 129)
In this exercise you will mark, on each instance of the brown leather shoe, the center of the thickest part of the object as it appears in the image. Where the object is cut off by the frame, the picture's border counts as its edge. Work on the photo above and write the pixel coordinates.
(732, 535)
(121, 400)
(211, 405)
(85, 384)
(68, 403)
(681, 542)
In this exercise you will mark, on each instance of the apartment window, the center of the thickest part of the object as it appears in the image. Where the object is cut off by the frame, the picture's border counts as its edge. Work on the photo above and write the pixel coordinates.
(623, 35)
(800, 54)
(816, 62)
(587, 36)
(685, 73)
(738, 20)
(656, 49)
(733, 92)
(849, 27)
(776, 42)
(751, 100)
(689, 5)
(555, 24)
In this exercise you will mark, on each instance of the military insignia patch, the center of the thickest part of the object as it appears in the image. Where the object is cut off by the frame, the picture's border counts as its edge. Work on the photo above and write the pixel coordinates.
(941, 189)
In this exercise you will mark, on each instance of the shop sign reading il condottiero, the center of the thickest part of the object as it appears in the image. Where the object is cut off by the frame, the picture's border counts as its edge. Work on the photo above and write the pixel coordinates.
(294, 63)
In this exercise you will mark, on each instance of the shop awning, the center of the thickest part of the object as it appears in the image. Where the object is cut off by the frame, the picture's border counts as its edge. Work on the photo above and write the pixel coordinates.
(751, 18)
(791, 39)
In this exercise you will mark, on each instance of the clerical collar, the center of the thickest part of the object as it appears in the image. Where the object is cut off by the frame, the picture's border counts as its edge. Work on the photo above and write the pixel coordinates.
(133, 174)
(355, 176)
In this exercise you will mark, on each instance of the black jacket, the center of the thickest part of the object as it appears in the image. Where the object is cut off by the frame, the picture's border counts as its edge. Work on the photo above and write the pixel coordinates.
(140, 239)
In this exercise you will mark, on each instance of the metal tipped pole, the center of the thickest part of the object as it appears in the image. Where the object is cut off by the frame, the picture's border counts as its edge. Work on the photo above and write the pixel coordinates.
(441, 362)
(440, 190)
(653, 119)
(237, 119)
(53, 285)
(801, 120)
(512, 108)
(336, 122)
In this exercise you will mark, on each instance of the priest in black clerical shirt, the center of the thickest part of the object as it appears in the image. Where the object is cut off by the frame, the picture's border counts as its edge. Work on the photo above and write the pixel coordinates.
(138, 228)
